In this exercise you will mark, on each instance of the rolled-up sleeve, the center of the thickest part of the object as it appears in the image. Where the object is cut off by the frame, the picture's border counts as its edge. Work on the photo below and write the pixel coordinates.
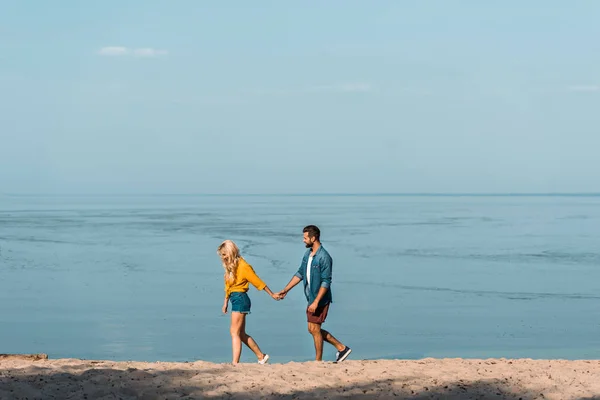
(301, 271)
(252, 277)
(326, 266)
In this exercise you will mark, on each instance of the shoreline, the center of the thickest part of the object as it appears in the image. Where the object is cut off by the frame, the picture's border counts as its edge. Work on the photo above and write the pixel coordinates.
(36, 376)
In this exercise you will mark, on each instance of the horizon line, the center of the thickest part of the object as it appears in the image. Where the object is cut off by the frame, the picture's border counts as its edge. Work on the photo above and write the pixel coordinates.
(334, 194)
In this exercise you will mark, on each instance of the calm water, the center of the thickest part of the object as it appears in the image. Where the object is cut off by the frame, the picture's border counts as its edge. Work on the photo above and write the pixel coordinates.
(138, 277)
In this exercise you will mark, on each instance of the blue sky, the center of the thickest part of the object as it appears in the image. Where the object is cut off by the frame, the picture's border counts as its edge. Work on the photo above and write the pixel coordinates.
(299, 97)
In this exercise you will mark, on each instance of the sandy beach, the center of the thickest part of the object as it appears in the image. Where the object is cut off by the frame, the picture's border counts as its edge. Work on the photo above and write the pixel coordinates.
(34, 377)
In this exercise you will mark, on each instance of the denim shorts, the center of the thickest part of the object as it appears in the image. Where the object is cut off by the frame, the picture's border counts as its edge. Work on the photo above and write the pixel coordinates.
(240, 302)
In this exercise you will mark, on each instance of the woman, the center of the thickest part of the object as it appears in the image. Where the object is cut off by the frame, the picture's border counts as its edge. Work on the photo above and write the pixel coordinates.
(238, 275)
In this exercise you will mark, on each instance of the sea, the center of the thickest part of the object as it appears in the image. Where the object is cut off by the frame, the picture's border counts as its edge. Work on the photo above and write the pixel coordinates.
(414, 276)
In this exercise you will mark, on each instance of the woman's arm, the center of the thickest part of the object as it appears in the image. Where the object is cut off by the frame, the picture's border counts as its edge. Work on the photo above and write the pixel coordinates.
(225, 304)
(255, 280)
(227, 294)
(273, 295)
(250, 276)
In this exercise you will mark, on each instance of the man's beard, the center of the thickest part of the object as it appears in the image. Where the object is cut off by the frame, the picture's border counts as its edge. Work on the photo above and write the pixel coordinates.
(309, 245)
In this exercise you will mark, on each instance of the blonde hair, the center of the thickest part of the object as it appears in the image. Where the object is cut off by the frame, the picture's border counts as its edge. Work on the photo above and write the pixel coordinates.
(230, 256)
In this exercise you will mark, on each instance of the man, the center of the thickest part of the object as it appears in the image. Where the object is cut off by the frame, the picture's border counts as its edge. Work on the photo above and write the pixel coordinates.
(315, 273)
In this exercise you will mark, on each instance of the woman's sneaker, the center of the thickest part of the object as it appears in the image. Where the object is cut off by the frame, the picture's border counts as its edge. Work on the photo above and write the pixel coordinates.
(342, 355)
(264, 360)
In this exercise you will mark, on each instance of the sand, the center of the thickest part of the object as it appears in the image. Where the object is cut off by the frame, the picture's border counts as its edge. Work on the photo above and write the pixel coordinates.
(37, 378)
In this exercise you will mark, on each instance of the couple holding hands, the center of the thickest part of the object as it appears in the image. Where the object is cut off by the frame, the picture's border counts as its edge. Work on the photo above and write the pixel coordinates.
(314, 273)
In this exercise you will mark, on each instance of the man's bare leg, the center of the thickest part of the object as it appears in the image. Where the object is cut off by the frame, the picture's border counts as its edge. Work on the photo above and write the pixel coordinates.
(328, 337)
(315, 331)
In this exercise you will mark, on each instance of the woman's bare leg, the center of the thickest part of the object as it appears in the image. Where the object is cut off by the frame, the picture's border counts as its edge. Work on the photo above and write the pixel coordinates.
(237, 322)
(248, 341)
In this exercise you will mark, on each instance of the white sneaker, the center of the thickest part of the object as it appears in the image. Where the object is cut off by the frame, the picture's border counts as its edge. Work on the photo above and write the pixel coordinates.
(264, 360)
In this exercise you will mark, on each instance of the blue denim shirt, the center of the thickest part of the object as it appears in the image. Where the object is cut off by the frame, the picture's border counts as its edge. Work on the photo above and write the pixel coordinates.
(320, 275)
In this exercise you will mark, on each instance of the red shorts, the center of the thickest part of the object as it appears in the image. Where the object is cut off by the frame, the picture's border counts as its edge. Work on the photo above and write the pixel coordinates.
(319, 316)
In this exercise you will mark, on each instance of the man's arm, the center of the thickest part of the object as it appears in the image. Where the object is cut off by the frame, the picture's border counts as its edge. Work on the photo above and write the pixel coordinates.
(325, 283)
(300, 273)
(295, 280)
(313, 307)
(326, 265)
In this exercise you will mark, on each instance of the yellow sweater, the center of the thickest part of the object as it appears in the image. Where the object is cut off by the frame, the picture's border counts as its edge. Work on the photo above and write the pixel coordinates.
(244, 275)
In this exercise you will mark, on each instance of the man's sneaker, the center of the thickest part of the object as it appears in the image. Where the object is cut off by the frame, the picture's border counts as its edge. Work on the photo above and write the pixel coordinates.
(264, 360)
(342, 355)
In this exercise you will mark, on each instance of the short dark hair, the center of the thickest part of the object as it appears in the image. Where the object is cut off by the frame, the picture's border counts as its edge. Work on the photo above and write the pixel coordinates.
(313, 231)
